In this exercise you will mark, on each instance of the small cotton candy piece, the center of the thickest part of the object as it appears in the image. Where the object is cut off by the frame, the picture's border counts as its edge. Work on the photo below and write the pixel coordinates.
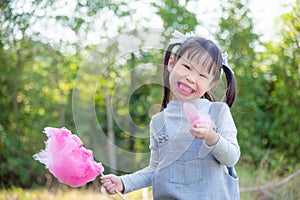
(194, 116)
(67, 159)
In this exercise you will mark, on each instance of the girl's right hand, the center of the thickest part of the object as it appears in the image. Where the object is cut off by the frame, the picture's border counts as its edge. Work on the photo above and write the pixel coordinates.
(112, 184)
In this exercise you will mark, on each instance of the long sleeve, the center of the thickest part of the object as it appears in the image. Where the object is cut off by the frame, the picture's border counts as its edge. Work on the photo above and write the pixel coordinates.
(227, 150)
(143, 178)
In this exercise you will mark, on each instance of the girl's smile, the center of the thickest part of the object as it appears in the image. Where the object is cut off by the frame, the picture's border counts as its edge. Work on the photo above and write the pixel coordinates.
(185, 89)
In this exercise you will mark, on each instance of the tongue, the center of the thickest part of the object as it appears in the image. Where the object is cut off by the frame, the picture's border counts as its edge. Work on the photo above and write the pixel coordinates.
(184, 88)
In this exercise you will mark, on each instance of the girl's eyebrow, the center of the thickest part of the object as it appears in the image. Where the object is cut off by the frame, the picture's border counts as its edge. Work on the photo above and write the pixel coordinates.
(204, 72)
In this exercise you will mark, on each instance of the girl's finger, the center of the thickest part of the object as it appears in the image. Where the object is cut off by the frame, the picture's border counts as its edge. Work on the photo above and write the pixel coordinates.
(111, 186)
(104, 181)
(111, 190)
(198, 132)
(106, 184)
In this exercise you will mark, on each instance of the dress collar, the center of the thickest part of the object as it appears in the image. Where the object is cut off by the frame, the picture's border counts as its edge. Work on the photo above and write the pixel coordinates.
(176, 105)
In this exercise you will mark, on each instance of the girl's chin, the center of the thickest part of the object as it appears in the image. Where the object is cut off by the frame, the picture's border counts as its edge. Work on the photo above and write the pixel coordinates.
(183, 97)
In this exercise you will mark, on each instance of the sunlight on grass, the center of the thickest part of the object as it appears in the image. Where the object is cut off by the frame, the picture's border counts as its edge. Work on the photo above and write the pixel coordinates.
(65, 194)
(38, 194)
(247, 178)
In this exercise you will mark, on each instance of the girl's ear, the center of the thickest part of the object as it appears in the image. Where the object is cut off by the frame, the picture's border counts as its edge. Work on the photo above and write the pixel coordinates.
(171, 63)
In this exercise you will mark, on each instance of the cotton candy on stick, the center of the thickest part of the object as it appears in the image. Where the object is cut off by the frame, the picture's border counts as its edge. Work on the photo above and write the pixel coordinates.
(194, 116)
(67, 159)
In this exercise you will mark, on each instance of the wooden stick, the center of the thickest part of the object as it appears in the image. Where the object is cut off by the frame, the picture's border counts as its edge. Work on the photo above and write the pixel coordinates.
(119, 193)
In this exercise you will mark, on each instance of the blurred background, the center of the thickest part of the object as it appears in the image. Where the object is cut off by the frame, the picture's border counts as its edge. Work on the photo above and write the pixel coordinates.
(61, 59)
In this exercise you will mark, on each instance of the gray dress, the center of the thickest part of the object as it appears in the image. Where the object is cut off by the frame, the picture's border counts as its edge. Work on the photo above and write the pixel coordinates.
(183, 167)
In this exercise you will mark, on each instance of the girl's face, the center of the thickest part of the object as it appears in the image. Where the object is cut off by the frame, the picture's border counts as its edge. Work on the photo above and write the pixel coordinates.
(188, 80)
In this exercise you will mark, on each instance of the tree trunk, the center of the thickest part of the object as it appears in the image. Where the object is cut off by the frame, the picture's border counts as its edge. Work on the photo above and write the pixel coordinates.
(110, 132)
(15, 91)
(132, 85)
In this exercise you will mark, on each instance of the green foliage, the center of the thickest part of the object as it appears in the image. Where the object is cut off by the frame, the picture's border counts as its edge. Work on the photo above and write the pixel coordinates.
(37, 83)
(17, 168)
(184, 20)
(37, 94)
(266, 112)
(236, 36)
(283, 86)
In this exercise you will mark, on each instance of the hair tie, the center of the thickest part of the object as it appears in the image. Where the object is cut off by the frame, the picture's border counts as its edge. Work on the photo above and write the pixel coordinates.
(225, 61)
(179, 37)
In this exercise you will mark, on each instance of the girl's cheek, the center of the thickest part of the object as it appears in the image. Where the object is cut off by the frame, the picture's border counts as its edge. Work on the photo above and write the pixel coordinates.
(203, 84)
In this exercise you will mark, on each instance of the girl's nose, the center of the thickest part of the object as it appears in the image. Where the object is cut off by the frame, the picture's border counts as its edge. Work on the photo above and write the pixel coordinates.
(190, 78)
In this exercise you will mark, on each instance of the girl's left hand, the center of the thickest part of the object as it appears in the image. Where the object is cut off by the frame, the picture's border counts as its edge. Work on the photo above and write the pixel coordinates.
(206, 132)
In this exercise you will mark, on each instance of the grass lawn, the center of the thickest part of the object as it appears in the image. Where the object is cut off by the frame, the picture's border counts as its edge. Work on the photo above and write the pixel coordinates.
(289, 190)
(43, 194)
(64, 194)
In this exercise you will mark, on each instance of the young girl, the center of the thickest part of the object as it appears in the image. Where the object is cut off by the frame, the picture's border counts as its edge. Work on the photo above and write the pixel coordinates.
(189, 162)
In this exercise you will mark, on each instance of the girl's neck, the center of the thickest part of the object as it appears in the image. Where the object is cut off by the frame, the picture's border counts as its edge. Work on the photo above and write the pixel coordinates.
(180, 102)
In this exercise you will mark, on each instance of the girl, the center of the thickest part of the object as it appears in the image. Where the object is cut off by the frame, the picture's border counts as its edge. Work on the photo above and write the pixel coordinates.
(189, 162)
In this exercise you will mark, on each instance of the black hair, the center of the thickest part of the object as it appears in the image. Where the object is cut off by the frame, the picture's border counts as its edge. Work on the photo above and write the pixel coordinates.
(207, 54)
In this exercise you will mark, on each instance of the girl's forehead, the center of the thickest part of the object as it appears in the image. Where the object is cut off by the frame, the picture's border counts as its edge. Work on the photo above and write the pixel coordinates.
(201, 61)
(197, 56)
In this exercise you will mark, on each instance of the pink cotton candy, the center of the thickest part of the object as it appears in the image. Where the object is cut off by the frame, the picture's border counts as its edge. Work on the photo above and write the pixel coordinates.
(67, 159)
(194, 116)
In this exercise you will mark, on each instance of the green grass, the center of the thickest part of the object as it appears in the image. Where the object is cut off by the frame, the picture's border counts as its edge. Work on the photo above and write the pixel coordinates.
(63, 194)
(287, 191)
(268, 182)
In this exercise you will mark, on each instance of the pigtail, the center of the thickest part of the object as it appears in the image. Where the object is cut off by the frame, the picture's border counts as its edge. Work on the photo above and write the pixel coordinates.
(208, 95)
(166, 74)
(231, 86)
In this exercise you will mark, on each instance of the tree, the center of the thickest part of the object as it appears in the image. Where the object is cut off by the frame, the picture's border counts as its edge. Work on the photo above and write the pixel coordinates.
(282, 73)
(175, 16)
(35, 104)
(237, 38)
(37, 75)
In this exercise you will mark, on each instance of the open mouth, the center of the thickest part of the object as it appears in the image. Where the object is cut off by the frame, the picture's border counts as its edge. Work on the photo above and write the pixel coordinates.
(185, 89)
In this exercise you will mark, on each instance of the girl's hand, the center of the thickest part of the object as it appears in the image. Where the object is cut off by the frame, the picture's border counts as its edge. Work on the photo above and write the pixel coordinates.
(112, 184)
(205, 131)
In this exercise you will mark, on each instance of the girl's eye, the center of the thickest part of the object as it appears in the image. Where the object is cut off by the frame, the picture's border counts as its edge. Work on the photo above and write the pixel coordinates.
(202, 75)
(186, 66)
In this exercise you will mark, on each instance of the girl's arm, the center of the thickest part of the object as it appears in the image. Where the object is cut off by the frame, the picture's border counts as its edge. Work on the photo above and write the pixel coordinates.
(143, 178)
(221, 141)
(226, 150)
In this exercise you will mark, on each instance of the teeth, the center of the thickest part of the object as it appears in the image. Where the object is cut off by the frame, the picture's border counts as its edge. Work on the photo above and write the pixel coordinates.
(186, 88)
